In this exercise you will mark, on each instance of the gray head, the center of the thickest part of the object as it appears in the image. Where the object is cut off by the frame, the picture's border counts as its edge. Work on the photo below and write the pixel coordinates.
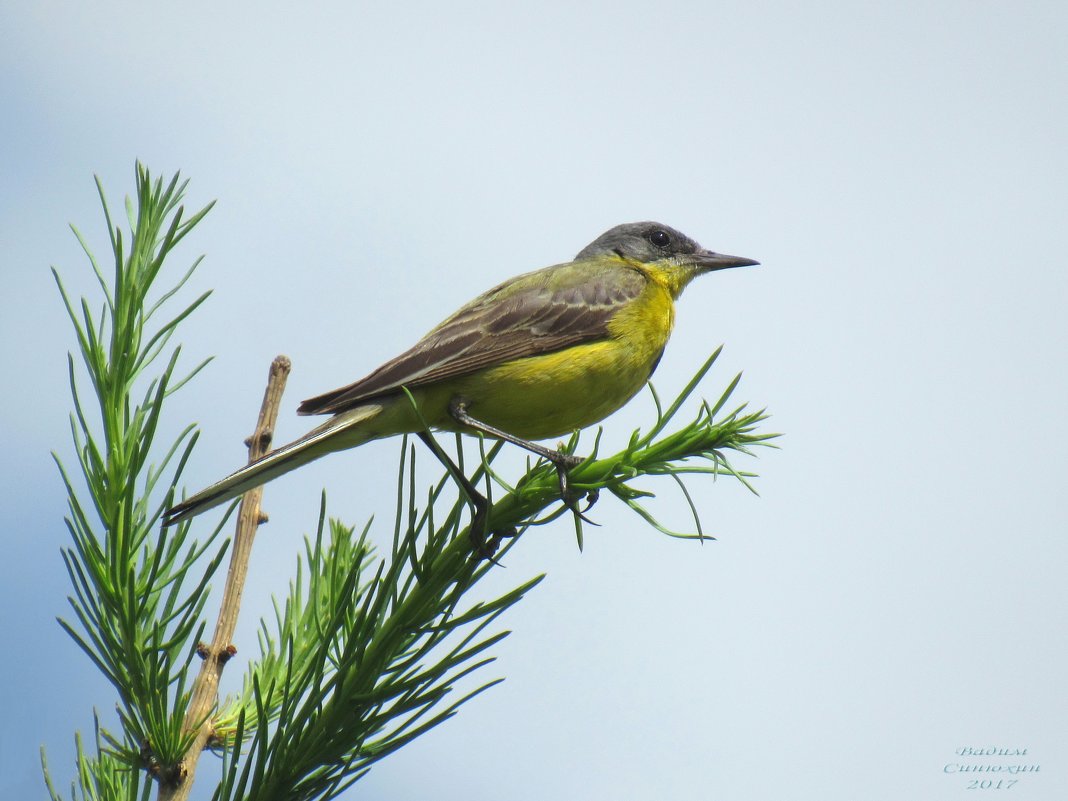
(653, 241)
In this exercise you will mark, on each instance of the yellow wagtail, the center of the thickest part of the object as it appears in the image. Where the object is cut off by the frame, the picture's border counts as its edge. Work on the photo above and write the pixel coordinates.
(539, 356)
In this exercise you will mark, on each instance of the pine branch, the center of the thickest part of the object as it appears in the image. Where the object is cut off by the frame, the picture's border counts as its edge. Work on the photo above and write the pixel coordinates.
(138, 592)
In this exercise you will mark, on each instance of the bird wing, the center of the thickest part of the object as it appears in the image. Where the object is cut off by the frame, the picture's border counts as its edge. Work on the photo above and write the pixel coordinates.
(539, 312)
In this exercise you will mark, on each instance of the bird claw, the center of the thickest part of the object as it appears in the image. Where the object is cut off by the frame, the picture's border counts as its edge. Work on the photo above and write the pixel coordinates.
(591, 498)
(484, 543)
(581, 513)
(563, 463)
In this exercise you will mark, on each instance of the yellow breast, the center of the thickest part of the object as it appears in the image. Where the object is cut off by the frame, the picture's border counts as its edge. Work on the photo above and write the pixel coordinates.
(555, 393)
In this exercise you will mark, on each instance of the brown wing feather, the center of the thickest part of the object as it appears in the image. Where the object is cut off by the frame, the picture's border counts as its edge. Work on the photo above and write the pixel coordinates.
(536, 313)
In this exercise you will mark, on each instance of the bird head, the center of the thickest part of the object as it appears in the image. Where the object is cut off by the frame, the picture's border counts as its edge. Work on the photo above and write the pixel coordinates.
(660, 247)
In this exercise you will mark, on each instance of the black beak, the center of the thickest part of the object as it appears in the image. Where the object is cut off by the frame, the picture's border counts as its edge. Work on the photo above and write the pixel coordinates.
(707, 260)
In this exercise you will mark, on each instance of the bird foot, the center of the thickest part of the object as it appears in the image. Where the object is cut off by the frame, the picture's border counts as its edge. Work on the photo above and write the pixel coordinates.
(485, 543)
(564, 462)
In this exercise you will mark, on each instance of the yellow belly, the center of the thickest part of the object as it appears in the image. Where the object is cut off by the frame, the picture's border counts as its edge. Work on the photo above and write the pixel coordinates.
(555, 393)
(549, 395)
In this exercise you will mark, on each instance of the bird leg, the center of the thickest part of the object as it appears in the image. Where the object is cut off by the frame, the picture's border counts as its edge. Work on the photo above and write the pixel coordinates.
(484, 541)
(561, 461)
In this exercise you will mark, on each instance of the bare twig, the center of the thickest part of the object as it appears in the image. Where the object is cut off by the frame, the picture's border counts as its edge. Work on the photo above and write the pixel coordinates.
(205, 693)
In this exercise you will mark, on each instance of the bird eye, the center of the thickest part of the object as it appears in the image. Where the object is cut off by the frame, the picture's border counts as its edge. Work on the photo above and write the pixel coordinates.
(660, 238)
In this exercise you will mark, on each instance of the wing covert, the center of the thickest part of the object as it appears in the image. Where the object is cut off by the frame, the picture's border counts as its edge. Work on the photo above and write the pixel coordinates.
(535, 313)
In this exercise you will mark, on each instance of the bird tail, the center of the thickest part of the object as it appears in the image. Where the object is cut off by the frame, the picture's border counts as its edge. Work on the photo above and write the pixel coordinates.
(341, 431)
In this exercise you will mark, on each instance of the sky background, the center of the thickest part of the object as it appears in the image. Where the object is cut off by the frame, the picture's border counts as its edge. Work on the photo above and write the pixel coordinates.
(896, 593)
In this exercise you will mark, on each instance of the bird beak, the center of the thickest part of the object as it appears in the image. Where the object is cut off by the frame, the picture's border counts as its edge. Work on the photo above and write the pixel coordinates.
(708, 261)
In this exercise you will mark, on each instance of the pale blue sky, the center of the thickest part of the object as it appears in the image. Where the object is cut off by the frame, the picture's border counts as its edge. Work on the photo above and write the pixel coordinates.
(898, 591)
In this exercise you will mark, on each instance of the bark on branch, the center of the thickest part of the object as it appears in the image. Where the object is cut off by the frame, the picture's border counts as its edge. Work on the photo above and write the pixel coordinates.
(205, 692)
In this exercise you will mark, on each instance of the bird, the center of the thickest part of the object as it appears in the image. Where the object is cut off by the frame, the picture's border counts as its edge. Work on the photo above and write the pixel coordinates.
(538, 356)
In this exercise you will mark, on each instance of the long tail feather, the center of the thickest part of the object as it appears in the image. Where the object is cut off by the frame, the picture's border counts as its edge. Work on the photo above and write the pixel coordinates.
(333, 435)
